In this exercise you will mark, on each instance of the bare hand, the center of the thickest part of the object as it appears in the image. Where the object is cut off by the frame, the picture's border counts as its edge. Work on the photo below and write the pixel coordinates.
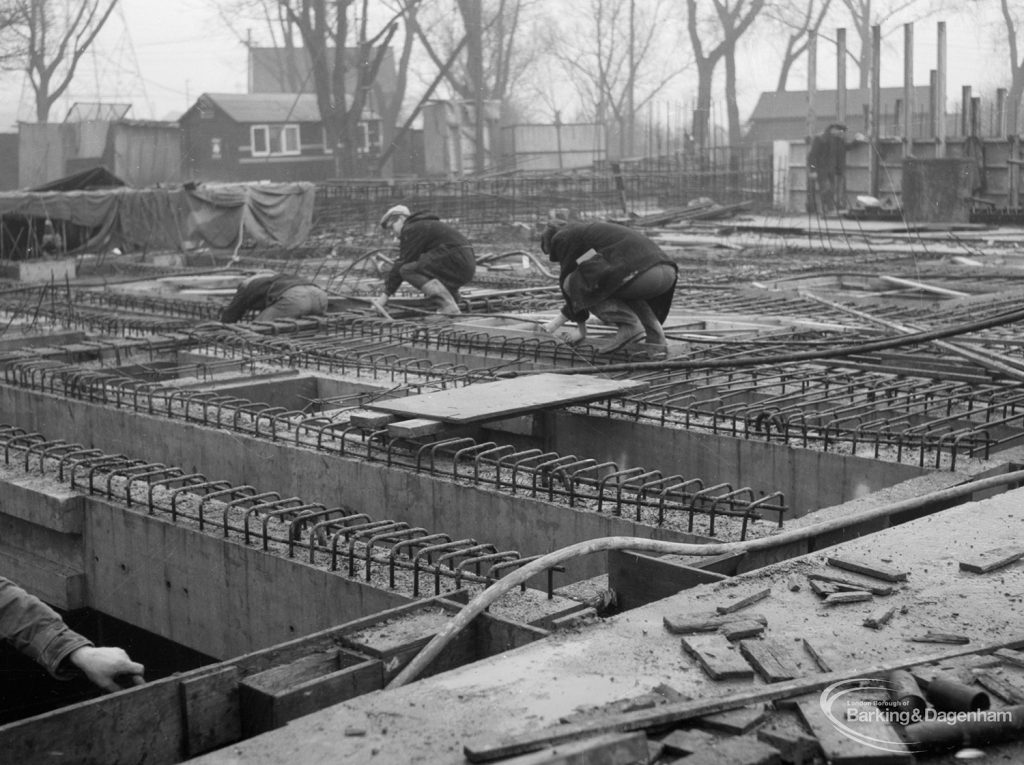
(103, 665)
(569, 336)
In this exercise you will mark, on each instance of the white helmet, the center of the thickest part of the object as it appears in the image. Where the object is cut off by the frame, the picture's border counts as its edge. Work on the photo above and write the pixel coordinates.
(394, 212)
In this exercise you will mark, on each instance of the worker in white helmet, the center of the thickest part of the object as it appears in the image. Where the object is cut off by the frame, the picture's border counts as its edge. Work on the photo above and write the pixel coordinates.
(432, 256)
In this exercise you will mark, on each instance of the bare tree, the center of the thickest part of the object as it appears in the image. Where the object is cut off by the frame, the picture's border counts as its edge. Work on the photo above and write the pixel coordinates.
(799, 21)
(327, 28)
(615, 78)
(48, 39)
(728, 27)
(489, 36)
(1016, 91)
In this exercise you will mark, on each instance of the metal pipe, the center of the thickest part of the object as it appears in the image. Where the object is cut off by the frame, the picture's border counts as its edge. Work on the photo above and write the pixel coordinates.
(950, 695)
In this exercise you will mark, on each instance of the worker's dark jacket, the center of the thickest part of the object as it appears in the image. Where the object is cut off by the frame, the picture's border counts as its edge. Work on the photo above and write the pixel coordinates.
(35, 629)
(620, 254)
(453, 261)
(258, 294)
(827, 155)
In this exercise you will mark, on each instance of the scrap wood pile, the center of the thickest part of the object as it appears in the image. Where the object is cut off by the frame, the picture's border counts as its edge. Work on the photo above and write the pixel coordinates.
(963, 698)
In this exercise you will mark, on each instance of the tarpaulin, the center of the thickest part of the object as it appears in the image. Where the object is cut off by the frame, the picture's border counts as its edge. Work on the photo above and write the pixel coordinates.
(217, 215)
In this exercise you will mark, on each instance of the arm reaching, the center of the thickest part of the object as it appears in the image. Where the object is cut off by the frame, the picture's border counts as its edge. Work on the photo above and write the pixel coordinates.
(103, 665)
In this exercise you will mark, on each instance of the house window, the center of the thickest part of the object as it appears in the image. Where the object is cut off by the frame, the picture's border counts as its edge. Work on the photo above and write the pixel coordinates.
(274, 140)
(215, 148)
(369, 142)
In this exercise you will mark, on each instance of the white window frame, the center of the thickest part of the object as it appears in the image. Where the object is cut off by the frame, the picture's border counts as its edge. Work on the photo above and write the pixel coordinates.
(366, 147)
(276, 140)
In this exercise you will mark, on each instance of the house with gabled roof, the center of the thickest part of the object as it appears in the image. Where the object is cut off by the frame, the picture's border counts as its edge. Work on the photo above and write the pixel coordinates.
(263, 136)
(782, 116)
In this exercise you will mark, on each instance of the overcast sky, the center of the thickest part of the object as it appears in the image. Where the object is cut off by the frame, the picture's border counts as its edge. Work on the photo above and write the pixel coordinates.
(160, 56)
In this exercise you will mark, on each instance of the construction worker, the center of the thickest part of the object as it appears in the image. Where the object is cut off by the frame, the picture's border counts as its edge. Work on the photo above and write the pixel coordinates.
(432, 256)
(826, 168)
(51, 243)
(37, 631)
(275, 296)
(617, 274)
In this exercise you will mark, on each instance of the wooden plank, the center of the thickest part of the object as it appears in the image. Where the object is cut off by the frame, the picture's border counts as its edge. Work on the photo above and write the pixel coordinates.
(825, 662)
(415, 428)
(488, 749)
(1009, 656)
(941, 637)
(742, 750)
(844, 583)
(684, 742)
(841, 749)
(209, 705)
(718, 657)
(794, 746)
(990, 560)
(875, 570)
(281, 694)
(739, 630)
(736, 721)
(822, 589)
(1010, 692)
(607, 749)
(770, 658)
(849, 596)
(371, 420)
(688, 624)
(505, 398)
(744, 602)
(879, 617)
(638, 579)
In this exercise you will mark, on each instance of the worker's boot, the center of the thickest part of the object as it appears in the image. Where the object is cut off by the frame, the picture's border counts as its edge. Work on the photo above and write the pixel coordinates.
(617, 312)
(655, 345)
(447, 305)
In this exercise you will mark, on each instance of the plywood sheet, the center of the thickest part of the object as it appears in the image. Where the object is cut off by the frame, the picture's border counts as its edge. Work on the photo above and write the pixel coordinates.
(505, 398)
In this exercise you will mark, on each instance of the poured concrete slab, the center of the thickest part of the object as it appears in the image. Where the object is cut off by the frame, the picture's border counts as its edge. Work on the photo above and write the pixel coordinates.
(532, 687)
(505, 398)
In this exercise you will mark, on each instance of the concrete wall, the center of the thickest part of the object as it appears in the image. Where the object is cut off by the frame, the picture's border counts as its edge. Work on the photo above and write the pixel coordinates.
(530, 526)
(213, 595)
(810, 480)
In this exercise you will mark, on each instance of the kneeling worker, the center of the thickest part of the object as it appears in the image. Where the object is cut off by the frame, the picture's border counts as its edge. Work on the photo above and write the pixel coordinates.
(275, 296)
(432, 256)
(619, 275)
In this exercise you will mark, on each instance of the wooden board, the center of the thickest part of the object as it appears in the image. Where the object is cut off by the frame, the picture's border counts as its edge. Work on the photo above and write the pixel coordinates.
(990, 560)
(689, 623)
(717, 656)
(869, 568)
(607, 749)
(505, 398)
(840, 749)
(736, 721)
(770, 658)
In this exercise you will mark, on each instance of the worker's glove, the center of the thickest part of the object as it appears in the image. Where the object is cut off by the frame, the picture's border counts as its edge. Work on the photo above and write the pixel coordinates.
(860, 138)
(380, 302)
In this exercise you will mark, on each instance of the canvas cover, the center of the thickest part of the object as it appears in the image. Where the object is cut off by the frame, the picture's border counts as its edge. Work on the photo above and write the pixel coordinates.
(178, 218)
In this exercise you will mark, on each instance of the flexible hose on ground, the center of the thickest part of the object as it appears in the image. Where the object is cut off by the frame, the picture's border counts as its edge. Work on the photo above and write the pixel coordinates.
(518, 577)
